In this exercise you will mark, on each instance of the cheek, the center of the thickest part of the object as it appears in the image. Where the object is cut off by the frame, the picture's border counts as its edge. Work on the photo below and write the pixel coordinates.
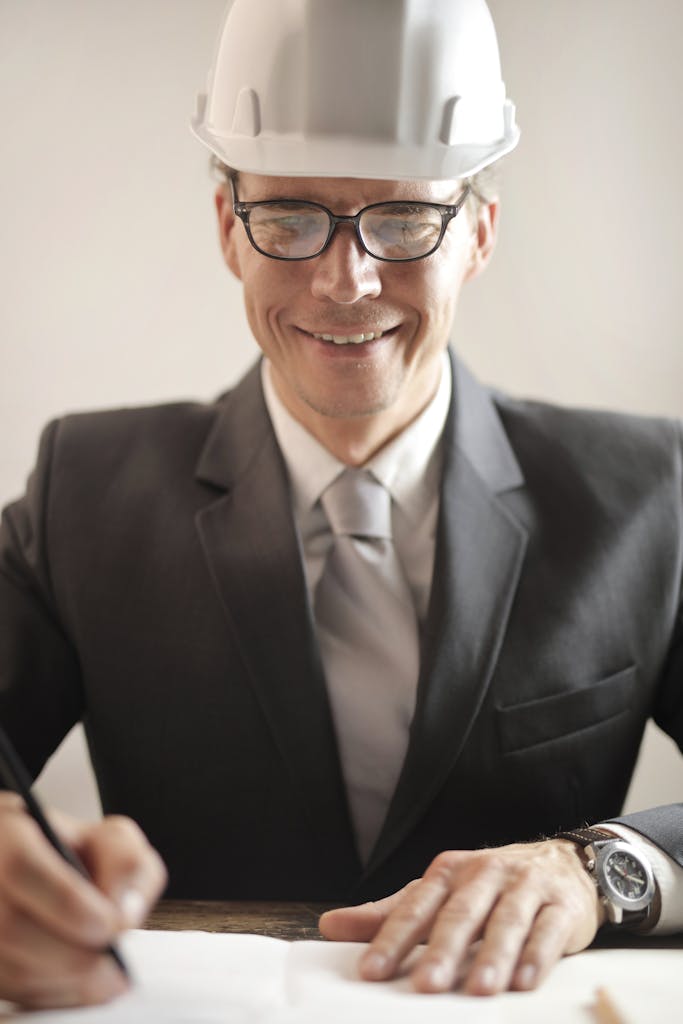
(266, 291)
(446, 283)
(437, 297)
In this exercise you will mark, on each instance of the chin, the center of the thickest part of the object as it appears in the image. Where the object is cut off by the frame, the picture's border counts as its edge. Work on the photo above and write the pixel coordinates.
(343, 409)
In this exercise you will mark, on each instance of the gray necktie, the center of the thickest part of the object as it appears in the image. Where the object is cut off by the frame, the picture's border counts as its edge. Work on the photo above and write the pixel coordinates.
(367, 631)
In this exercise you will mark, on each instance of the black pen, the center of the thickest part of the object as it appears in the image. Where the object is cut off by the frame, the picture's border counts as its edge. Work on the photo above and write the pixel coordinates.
(17, 778)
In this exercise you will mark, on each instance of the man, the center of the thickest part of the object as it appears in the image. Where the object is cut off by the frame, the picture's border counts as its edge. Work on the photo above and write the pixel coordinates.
(179, 577)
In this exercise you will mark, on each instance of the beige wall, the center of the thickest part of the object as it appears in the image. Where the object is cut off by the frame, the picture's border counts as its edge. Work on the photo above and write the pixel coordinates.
(114, 293)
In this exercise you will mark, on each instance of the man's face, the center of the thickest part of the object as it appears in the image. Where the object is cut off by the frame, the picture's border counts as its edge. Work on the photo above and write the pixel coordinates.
(408, 307)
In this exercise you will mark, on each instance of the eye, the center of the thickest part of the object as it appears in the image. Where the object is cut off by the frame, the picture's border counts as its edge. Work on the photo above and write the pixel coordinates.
(286, 229)
(403, 228)
(289, 224)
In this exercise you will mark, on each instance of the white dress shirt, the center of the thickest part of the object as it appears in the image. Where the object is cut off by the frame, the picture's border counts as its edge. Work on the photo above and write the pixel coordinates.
(410, 469)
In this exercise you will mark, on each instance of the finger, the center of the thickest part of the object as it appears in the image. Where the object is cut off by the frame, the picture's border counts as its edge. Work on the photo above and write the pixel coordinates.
(457, 925)
(405, 926)
(124, 866)
(37, 969)
(35, 879)
(546, 944)
(361, 923)
(506, 932)
(102, 983)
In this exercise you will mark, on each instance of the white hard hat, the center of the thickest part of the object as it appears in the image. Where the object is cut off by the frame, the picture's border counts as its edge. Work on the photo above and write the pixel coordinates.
(398, 89)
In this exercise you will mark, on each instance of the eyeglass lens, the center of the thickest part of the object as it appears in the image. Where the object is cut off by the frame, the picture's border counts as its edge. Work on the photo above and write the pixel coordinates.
(393, 231)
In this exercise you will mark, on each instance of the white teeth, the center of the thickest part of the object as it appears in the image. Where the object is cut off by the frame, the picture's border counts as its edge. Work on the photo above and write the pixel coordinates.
(348, 339)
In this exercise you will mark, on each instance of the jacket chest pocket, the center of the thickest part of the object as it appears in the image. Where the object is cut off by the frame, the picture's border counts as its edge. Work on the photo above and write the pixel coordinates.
(522, 726)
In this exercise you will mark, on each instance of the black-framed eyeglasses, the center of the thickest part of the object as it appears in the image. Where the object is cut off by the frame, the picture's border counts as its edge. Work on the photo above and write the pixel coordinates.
(397, 232)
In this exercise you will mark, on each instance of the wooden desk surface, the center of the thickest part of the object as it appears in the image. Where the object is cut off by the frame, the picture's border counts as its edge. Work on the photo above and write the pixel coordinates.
(283, 920)
(279, 920)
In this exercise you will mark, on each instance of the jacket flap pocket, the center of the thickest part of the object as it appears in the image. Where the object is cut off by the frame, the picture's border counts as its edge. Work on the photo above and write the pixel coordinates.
(537, 721)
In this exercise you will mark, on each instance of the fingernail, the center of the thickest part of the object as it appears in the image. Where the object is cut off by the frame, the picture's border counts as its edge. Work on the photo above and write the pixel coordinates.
(526, 976)
(485, 978)
(132, 905)
(437, 976)
(375, 965)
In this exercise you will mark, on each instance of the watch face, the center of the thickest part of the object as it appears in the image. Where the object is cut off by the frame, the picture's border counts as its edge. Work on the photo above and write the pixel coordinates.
(625, 875)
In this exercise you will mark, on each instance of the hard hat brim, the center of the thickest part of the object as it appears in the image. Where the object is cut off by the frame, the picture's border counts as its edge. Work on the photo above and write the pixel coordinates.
(326, 157)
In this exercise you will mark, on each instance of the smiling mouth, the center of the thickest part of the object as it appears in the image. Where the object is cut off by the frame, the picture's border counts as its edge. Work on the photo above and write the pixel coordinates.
(349, 339)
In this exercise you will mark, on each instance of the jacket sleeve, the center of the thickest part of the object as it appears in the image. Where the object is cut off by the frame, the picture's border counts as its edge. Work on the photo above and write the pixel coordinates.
(661, 825)
(664, 825)
(40, 687)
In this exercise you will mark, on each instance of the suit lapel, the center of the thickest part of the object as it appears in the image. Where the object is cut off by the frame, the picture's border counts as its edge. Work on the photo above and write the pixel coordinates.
(479, 553)
(251, 545)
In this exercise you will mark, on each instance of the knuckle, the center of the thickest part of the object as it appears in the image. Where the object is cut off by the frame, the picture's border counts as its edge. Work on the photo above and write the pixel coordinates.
(135, 856)
(444, 865)
(124, 827)
(527, 874)
(482, 866)
(123, 836)
(492, 862)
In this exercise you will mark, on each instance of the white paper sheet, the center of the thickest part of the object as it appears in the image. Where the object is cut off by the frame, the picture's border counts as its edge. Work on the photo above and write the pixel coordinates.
(204, 978)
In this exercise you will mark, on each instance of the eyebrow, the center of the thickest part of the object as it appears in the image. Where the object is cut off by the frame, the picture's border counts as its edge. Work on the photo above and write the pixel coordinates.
(403, 201)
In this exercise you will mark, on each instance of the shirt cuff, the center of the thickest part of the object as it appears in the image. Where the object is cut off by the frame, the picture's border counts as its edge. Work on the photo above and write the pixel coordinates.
(668, 874)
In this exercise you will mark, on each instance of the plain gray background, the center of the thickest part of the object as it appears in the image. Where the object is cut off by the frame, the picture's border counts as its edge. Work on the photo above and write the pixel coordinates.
(114, 292)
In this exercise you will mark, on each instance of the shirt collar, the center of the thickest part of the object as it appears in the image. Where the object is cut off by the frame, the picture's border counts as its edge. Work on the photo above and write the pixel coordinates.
(409, 466)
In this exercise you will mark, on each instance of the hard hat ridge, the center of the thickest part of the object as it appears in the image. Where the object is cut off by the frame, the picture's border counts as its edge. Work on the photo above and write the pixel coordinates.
(357, 88)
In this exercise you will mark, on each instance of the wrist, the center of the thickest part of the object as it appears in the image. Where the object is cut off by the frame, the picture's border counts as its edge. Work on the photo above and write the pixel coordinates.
(582, 862)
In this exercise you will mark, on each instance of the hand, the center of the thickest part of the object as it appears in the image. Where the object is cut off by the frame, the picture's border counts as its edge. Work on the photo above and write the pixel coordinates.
(529, 904)
(54, 924)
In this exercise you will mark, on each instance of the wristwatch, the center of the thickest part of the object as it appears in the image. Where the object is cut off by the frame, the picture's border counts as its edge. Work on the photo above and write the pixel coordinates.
(622, 875)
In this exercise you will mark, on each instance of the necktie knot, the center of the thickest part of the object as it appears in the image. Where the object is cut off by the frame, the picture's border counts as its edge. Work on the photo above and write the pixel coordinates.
(357, 505)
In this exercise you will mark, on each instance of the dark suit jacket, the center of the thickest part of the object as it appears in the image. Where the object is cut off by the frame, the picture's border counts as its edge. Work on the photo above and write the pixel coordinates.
(151, 584)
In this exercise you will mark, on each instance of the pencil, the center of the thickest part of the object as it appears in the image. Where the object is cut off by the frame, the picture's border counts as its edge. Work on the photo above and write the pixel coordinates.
(605, 1010)
(16, 777)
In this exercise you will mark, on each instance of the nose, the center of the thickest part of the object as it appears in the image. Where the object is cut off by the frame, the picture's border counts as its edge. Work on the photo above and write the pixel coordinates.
(344, 272)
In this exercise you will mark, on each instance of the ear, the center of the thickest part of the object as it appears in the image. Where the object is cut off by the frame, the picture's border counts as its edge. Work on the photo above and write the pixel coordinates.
(485, 237)
(227, 229)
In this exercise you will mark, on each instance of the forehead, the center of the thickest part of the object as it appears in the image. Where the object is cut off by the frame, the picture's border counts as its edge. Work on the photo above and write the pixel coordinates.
(341, 192)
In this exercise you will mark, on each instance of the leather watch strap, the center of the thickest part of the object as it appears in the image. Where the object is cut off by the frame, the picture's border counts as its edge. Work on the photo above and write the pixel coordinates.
(585, 836)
